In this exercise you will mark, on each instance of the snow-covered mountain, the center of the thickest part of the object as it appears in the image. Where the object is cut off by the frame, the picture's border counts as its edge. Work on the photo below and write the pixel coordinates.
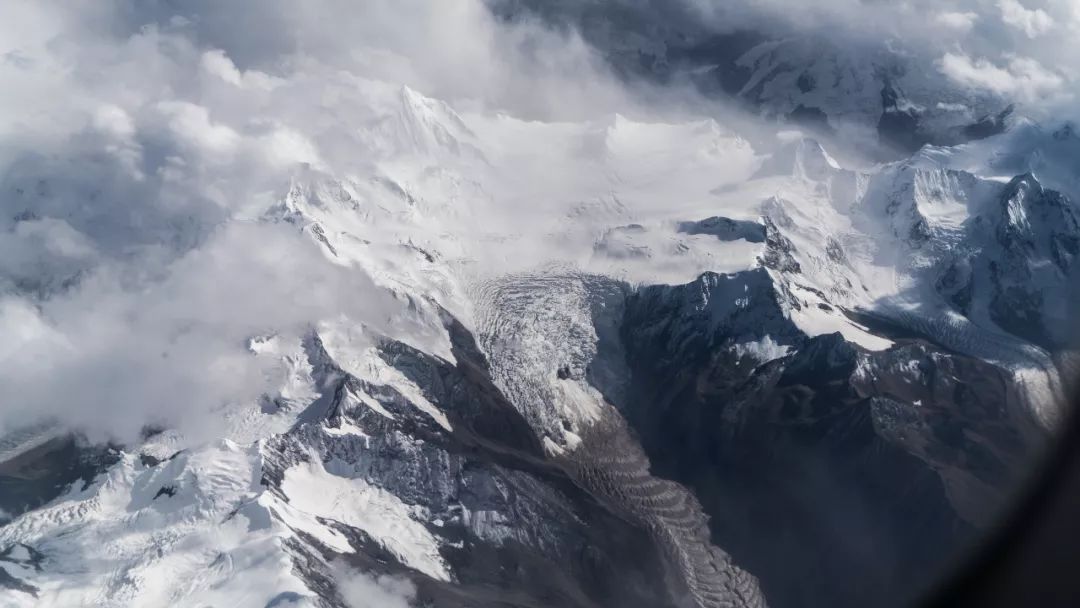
(617, 361)
(869, 89)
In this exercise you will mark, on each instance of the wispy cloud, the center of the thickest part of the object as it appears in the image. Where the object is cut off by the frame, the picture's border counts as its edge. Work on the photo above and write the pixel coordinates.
(1017, 77)
(1033, 22)
(360, 590)
(960, 22)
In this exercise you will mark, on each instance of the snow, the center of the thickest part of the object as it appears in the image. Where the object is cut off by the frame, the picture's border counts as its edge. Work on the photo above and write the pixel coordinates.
(658, 255)
(846, 83)
(364, 398)
(763, 350)
(815, 322)
(219, 540)
(115, 544)
(356, 351)
(312, 489)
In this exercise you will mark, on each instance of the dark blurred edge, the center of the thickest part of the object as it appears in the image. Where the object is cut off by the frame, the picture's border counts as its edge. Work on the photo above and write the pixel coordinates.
(1033, 559)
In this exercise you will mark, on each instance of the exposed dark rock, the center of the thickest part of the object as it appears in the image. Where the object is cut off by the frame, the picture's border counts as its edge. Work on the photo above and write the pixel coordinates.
(8, 581)
(33, 560)
(47, 471)
(989, 125)
(725, 229)
(833, 473)
(546, 542)
(1065, 132)
(689, 323)
(898, 127)
(835, 251)
(778, 250)
(1036, 241)
(148, 460)
(683, 47)
(811, 118)
(34, 557)
(957, 284)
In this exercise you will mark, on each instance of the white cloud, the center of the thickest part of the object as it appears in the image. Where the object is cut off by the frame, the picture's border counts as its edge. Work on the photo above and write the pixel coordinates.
(360, 590)
(114, 120)
(1033, 22)
(1071, 11)
(952, 107)
(191, 122)
(216, 63)
(287, 147)
(960, 22)
(109, 358)
(1021, 77)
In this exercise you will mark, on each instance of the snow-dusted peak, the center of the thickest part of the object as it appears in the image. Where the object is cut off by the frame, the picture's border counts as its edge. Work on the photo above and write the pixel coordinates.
(1039, 221)
(801, 157)
(926, 205)
(415, 124)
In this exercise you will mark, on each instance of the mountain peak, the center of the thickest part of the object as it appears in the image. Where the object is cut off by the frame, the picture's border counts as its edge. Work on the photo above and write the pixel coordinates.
(419, 125)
